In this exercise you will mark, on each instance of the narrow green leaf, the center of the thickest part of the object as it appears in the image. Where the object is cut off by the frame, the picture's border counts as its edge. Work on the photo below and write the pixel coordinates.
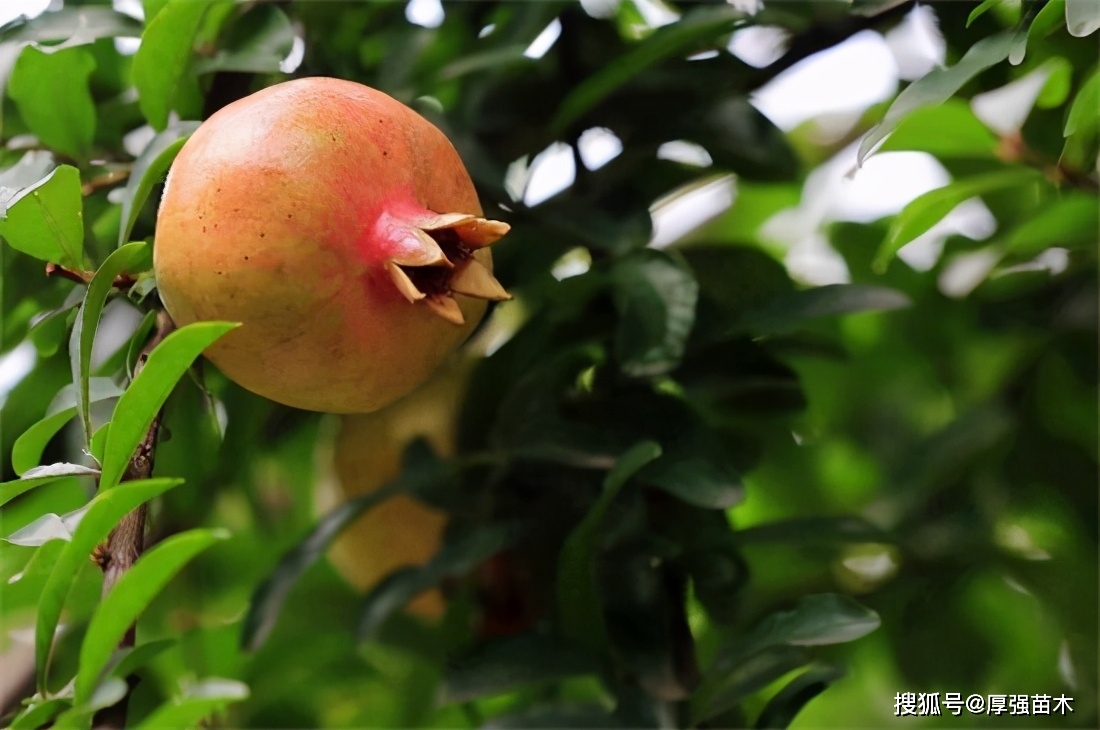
(822, 530)
(164, 56)
(79, 716)
(578, 602)
(198, 702)
(1082, 18)
(148, 170)
(39, 714)
(63, 119)
(103, 513)
(655, 294)
(817, 620)
(789, 701)
(929, 209)
(81, 24)
(1082, 114)
(981, 10)
(256, 42)
(721, 693)
(129, 258)
(139, 405)
(27, 449)
(695, 28)
(129, 598)
(790, 311)
(48, 527)
(46, 220)
(948, 130)
(131, 660)
(267, 601)
(938, 86)
(40, 475)
(1069, 222)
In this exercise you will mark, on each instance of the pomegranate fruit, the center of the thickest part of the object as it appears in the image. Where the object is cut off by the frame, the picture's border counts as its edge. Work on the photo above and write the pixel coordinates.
(367, 454)
(341, 229)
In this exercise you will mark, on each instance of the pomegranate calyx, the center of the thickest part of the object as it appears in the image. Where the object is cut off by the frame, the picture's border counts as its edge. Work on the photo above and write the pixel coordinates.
(440, 262)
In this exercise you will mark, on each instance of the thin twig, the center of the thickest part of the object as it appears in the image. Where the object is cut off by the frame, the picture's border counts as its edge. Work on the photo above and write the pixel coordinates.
(122, 281)
(126, 541)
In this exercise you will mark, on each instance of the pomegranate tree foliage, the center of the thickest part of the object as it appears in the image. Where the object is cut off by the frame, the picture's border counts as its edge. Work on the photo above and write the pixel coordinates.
(689, 491)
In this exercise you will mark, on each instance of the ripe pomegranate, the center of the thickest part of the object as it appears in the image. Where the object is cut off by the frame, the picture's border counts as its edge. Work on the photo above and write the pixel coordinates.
(341, 228)
(367, 455)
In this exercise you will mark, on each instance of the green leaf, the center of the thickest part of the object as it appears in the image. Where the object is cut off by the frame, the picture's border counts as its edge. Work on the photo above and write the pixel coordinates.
(696, 469)
(720, 694)
(453, 559)
(507, 664)
(46, 220)
(109, 693)
(256, 42)
(129, 598)
(790, 311)
(683, 36)
(1069, 222)
(817, 620)
(821, 530)
(938, 86)
(48, 527)
(129, 258)
(577, 597)
(199, 701)
(27, 449)
(63, 119)
(1082, 18)
(268, 599)
(929, 209)
(789, 701)
(948, 130)
(39, 714)
(75, 25)
(981, 9)
(655, 295)
(104, 512)
(148, 170)
(164, 57)
(40, 475)
(1050, 18)
(132, 659)
(1082, 124)
(139, 405)
(32, 167)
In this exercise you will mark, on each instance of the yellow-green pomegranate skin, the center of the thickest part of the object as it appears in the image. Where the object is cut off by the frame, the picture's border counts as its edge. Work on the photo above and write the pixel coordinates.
(340, 228)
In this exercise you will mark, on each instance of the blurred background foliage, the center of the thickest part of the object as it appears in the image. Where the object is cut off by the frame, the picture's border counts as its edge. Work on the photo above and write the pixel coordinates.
(731, 445)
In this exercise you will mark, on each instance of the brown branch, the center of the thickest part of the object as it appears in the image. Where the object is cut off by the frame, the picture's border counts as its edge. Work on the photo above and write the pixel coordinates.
(122, 281)
(107, 179)
(126, 541)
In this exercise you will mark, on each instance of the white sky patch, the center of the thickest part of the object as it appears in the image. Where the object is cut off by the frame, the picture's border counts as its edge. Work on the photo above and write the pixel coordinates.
(598, 146)
(294, 59)
(812, 260)
(684, 152)
(917, 43)
(682, 212)
(1005, 110)
(133, 8)
(602, 9)
(965, 272)
(15, 366)
(10, 10)
(655, 13)
(552, 171)
(759, 45)
(487, 30)
(574, 262)
(545, 40)
(127, 46)
(425, 13)
(852, 75)
(703, 55)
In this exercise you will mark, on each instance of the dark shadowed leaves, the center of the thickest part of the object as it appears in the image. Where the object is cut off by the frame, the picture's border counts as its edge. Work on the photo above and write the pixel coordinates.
(655, 294)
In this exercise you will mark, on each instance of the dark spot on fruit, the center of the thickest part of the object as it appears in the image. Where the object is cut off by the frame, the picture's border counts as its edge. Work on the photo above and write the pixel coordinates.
(218, 273)
(385, 153)
(262, 235)
(289, 216)
(333, 137)
(218, 190)
(204, 229)
(246, 258)
(236, 210)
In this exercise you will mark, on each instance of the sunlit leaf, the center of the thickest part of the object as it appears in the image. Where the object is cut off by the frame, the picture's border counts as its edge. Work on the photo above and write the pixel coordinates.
(164, 57)
(139, 405)
(46, 220)
(40, 475)
(129, 258)
(929, 209)
(818, 619)
(1082, 17)
(39, 714)
(103, 513)
(75, 25)
(981, 10)
(65, 119)
(198, 702)
(47, 527)
(27, 449)
(148, 170)
(256, 42)
(1069, 222)
(938, 86)
(129, 598)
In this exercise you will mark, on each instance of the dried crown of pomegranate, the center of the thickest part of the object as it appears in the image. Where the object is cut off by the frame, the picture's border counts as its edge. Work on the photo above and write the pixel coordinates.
(341, 228)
